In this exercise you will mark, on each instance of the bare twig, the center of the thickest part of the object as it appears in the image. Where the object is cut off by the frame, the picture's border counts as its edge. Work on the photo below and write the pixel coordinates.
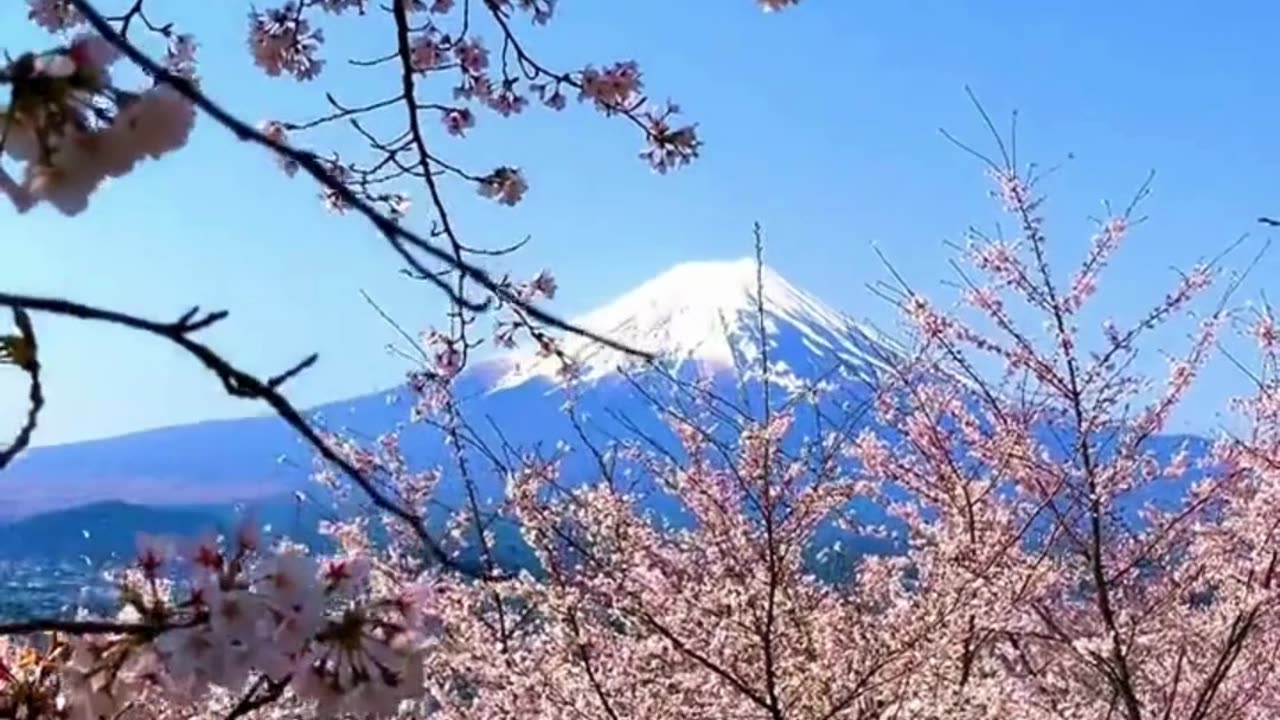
(403, 241)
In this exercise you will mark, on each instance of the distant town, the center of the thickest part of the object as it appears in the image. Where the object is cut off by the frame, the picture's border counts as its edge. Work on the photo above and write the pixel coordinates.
(39, 588)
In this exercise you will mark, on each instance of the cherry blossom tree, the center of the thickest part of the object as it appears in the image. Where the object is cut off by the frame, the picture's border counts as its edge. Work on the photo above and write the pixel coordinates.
(1050, 557)
(1062, 558)
(70, 127)
(1021, 586)
(1124, 576)
(250, 618)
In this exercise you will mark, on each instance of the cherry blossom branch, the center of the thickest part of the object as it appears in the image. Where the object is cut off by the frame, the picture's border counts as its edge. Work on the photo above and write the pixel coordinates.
(403, 241)
(669, 146)
(584, 656)
(341, 112)
(23, 351)
(137, 12)
(409, 97)
(240, 384)
(771, 542)
(720, 671)
(262, 693)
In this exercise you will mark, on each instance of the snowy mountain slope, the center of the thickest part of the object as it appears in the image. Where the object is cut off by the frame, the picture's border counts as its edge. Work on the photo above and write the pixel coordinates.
(704, 316)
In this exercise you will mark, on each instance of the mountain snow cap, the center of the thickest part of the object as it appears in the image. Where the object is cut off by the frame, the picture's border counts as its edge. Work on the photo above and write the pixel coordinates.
(705, 315)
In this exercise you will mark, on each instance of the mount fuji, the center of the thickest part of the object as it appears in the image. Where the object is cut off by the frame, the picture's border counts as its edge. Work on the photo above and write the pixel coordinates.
(702, 319)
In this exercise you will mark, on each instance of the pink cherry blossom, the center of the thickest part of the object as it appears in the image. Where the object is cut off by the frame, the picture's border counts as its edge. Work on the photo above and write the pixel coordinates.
(158, 122)
(457, 121)
(93, 52)
(56, 65)
(426, 52)
(338, 7)
(670, 147)
(506, 101)
(506, 185)
(1266, 331)
(544, 284)
(180, 55)
(613, 88)
(283, 41)
(472, 56)
(153, 553)
(628, 614)
(346, 575)
(54, 15)
(276, 132)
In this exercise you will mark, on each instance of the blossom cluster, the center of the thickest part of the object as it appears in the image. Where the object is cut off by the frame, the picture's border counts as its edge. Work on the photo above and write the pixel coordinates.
(73, 129)
(222, 611)
(985, 547)
(75, 153)
(288, 40)
(1024, 570)
(54, 15)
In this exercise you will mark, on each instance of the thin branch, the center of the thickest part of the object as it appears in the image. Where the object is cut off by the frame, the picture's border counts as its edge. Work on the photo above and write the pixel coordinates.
(402, 240)
(241, 384)
(263, 692)
(22, 350)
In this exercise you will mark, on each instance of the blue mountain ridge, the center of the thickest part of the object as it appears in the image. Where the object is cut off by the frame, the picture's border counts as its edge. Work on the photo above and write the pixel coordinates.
(703, 317)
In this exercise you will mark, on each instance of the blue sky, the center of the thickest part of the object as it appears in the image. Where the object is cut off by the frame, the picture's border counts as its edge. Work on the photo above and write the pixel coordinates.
(821, 123)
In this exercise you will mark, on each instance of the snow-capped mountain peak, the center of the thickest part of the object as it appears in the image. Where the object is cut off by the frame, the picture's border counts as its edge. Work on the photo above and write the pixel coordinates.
(705, 315)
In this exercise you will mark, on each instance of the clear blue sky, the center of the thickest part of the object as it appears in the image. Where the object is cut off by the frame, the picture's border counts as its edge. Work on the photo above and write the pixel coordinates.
(821, 123)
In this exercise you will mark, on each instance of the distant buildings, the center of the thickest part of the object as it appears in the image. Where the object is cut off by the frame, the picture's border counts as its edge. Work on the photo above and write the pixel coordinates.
(40, 589)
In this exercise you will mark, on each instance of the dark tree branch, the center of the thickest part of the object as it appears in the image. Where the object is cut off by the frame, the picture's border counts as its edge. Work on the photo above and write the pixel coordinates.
(263, 692)
(403, 241)
(241, 384)
(21, 350)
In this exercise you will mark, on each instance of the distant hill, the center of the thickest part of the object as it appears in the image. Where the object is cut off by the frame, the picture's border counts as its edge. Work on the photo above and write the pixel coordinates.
(99, 531)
